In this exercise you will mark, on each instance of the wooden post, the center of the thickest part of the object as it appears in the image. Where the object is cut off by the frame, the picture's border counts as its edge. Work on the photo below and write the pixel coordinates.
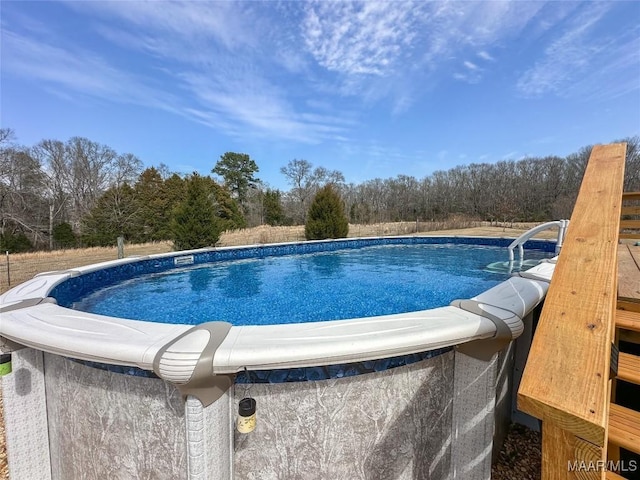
(120, 247)
(566, 380)
(8, 272)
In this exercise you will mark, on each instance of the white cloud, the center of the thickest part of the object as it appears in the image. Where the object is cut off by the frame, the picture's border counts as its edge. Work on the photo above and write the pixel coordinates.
(575, 63)
(485, 56)
(78, 70)
(229, 23)
(258, 106)
(455, 26)
(292, 70)
(360, 38)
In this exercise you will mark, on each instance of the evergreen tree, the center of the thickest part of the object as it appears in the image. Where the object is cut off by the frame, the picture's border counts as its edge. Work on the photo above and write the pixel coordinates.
(326, 217)
(272, 208)
(155, 204)
(113, 216)
(63, 236)
(195, 222)
(227, 208)
(15, 242)
(238, 170)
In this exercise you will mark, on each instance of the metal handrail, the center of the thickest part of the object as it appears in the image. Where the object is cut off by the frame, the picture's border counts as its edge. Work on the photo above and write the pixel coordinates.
(519, 242)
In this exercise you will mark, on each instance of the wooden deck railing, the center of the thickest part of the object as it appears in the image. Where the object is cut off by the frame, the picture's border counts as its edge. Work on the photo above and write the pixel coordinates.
(630, 222)
(566, 382)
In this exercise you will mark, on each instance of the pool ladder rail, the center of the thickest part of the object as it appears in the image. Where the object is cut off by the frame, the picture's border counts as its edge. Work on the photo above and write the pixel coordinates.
(519, 242)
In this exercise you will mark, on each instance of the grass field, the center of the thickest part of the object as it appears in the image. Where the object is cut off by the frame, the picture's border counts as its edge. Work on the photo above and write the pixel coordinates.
(17, 268)
(24, 266)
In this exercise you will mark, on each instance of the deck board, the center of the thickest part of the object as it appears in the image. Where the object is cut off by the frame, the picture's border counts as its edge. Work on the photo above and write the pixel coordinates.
(629, 273)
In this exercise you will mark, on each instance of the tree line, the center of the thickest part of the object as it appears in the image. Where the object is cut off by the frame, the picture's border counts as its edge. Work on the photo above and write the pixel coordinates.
(58, 194)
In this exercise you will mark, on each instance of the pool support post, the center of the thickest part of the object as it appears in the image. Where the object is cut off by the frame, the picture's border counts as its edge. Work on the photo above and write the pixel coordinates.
(485, 349)
(187, 362)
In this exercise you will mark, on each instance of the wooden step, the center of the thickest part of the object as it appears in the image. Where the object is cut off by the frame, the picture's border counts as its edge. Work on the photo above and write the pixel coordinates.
(624, 427)
(628, 320)
(629, 368)
(611, 475)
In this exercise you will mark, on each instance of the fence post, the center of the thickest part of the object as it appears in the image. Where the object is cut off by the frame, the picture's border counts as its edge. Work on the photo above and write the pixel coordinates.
(120, 247)
(8, 272)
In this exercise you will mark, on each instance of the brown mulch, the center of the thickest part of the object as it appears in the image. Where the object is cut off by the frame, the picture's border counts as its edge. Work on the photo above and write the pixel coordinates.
(520, 457)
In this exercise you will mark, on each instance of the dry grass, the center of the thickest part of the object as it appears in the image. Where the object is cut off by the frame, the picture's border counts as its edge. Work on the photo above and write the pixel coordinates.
(25, 266)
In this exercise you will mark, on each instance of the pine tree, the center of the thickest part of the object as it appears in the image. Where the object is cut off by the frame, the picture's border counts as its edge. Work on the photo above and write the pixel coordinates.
(63, 236)
(113, 216)
(195, 221)
(272, 208)
(326, 217)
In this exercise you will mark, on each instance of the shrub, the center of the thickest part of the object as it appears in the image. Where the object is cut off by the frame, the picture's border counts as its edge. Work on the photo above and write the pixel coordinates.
(195, 221)
(15, 243)
(63, 236)
(326, 217)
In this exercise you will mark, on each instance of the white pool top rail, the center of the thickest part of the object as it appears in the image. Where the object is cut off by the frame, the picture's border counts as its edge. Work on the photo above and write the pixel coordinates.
(30, 318)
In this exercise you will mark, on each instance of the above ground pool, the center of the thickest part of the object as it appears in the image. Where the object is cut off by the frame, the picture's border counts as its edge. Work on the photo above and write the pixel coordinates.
(328, 285)
(367, 358)
(289, 305)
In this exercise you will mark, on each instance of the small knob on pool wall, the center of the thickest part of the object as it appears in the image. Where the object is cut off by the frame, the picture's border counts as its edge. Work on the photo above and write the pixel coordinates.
(5, 364)
(247, 415)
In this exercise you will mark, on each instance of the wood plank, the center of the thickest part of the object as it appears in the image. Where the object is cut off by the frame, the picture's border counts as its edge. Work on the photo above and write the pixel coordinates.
(628, 274)
(630, 236)
(611, 475)
(561, 448)
(630, 211)
(635, 253)
(566, 376)
(624, 427)
(629, 368)
(628, 306)
(629, 224)
(628, 320)
(629, 196)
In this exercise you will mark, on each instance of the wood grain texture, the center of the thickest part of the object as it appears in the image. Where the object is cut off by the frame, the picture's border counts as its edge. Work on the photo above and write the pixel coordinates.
(630, 224)
(628, 273)
(624, 428)
(613, 476)
(629, 368)
(561, 449)
(631, 196)
(630, 210)
(628, 320)
(566, 376)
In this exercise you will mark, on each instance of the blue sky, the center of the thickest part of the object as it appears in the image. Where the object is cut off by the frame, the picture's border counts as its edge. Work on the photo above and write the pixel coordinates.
(372, 89)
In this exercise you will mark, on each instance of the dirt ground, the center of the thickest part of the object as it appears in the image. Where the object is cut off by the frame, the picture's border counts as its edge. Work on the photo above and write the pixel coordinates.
(25, 266)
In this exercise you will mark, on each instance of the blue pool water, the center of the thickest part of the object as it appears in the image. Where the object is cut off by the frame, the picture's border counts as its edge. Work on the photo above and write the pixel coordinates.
(334, 285)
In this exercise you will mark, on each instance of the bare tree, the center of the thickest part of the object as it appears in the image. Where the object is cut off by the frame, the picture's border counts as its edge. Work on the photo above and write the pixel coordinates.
(305, 181)
(90, 168)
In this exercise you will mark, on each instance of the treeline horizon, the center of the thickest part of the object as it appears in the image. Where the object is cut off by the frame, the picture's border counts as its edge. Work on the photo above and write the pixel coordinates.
(81, 193)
